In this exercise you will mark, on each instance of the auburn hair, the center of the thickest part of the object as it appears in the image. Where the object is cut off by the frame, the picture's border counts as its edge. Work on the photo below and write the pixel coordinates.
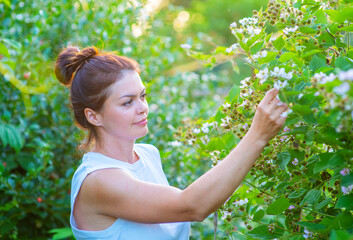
(89, 74)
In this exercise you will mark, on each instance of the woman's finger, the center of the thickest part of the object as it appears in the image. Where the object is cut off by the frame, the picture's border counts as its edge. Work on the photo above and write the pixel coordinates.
(270, 96)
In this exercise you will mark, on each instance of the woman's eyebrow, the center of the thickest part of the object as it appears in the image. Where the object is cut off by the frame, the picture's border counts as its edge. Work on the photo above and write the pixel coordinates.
(129, 95)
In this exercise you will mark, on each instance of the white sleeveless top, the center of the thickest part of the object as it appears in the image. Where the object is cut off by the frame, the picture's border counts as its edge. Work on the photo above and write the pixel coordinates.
(149, 169)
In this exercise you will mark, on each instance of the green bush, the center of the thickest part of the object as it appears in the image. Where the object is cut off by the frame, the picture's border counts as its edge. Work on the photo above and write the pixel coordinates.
(301, 187)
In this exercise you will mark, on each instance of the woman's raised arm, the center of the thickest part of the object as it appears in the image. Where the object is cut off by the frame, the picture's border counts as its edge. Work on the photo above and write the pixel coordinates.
(116, 193)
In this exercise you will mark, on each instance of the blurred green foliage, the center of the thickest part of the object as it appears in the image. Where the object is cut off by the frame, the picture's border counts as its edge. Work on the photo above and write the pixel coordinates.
(38, 137)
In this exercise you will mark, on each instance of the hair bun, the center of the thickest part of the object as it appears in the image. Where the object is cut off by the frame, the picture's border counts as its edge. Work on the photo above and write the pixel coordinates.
(70, 60)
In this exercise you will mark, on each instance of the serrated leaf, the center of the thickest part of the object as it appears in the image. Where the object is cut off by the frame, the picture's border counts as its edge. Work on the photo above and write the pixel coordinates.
(307, 30)
(279, 43)
(323, 203)
(310, 52)
(278, 206)
(283, 159)
(326, 163)
(316, 63)
(311, 226)
(345, 201)
(259, 215)
(257, 47)
(347, 28)
(347, 180)
(287, 56)
(298, 193)
(262, 232)
(339, 235)
(270, 57)
(312, 197)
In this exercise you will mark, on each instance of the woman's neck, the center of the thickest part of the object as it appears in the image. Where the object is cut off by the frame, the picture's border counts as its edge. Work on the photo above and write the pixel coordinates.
(121, 150)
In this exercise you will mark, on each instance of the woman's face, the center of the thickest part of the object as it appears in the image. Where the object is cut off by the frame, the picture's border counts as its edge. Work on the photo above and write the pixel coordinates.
(124, 113)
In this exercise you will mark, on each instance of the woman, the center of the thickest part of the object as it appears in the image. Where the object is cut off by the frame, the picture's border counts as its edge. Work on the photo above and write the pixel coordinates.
(120, 191)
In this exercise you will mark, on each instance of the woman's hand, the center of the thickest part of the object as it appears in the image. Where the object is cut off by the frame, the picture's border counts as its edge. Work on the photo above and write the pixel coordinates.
(268, 120)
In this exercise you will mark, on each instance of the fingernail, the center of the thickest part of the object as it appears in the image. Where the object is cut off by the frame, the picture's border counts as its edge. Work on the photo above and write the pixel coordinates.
(279, 103)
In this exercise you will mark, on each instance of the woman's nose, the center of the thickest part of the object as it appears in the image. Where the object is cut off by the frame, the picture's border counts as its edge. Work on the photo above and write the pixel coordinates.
(142, 106)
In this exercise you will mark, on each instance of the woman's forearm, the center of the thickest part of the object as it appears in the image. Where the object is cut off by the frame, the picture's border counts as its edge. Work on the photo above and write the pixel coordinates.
(213, 188)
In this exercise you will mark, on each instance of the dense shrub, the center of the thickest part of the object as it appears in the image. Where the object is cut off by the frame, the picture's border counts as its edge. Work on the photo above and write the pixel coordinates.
(301, 187)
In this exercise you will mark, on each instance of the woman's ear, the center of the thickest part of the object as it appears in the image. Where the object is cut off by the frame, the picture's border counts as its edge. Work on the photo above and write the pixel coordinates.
(93, 117)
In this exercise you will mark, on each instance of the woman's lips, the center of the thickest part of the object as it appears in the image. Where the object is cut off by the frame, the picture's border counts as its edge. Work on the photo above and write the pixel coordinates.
(142, 123)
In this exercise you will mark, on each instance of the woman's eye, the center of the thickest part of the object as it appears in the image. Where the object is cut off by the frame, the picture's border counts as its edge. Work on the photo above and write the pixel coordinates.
(143, 96)
(127, 102)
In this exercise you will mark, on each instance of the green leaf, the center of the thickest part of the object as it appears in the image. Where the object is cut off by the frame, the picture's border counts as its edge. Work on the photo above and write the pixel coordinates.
(347, 180)
(321, 17)
(262, 232)
(258, 215)
(270, 57)
(298, 193)
(7, 2)
(4, 51)
(323, 203)
(278, 206)
(287, 56)
(283, 159)
(279, 43)
(257, 47)
(307, 30)
(340, 235)
(316, 63)
(61, 233)
(328, 161)
(342, 15)
(310, 52)
(244, 46)
(233, 93)
(311, 226)
(347, 28)
(312, 197)
(345, 201)
(343, 63)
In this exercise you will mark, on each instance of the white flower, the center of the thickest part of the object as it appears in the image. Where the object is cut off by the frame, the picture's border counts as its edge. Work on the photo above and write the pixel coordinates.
(205, 129)
(248, 21)
(279, 84)
(233, 25)
(175, 143)
(245, 126)
(346, 75)
(277, 72)
(262, 75)
(286, 113)
(225, 121)
(307, 234)
(241, 202)
(344, 171)
(295, 162)
(205, 139)
(226, 105)
(288, 75)
(342, 89)
(196, 130)
(300, 95)
(244, 82)
(232, 48)
(185, 46)
(347, 190)
(191, 141)
(288, 30)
